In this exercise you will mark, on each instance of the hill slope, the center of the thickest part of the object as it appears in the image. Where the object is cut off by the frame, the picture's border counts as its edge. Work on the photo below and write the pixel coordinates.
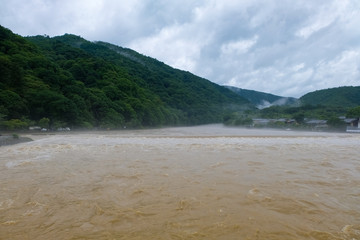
(340, 96)
(263, 100)
(74, 82)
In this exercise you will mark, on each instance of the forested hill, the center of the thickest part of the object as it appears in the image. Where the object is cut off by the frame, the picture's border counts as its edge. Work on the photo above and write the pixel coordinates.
(69, 81)
(261, 99)
(341, 96)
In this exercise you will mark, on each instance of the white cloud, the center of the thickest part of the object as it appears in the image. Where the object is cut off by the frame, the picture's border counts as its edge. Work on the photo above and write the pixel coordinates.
(327, 15)
(323, 20)
(298, 67)
(91, 19)
(171, 44)
(341, 71)
(238, 47)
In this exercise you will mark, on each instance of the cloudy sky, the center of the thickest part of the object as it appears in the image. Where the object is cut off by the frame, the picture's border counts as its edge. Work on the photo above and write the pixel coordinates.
(284, 47)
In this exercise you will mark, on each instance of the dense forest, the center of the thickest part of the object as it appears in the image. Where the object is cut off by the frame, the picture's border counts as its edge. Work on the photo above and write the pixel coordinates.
(67, 81)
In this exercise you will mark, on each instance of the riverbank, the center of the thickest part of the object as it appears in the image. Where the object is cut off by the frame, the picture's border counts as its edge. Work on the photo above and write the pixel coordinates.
(13, 139)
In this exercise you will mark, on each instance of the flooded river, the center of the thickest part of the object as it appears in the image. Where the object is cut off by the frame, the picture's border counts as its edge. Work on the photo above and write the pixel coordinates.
(206, 182)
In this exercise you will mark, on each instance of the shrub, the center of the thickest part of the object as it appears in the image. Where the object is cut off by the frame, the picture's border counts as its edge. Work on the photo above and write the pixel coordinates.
(15, 124)
(15, 136)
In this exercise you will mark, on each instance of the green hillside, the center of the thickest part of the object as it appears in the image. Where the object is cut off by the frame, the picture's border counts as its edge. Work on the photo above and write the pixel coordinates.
(341, 97)
(68, 81)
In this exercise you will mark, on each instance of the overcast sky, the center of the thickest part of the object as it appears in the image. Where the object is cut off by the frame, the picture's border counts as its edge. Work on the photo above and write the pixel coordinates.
(284, 47)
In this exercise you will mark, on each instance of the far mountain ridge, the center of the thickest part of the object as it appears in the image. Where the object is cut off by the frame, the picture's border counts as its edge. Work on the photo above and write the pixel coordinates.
(262, 99)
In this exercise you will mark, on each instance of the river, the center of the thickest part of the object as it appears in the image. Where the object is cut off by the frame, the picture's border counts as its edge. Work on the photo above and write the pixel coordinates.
(204, 182)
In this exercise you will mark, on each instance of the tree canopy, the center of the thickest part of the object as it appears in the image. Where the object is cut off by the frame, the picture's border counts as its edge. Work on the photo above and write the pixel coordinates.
(73, 82)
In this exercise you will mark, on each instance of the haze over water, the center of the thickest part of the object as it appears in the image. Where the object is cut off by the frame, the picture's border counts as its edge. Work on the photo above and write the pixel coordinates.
(206, 182)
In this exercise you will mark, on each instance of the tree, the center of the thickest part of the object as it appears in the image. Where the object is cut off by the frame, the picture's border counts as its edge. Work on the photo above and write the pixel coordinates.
(44, 122)
(2, 117)
(299, 117)
(335, 122)
(353, 112)
(13, 104)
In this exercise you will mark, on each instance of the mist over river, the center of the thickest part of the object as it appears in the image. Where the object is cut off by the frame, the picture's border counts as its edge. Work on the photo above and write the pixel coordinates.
(205, 182)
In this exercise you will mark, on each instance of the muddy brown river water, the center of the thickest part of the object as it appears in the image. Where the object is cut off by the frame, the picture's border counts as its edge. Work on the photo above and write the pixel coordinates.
(206, 182)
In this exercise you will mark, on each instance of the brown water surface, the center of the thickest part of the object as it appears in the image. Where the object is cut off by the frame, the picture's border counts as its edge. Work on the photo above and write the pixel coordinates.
(207, 182)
